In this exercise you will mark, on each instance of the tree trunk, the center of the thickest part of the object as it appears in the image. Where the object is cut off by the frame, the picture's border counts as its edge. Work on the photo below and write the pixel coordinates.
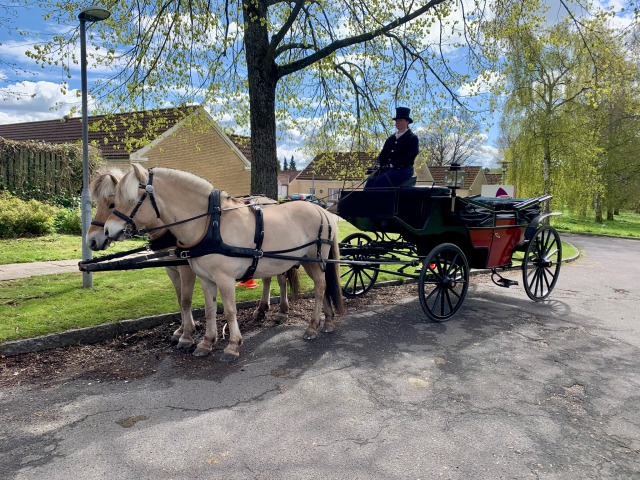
(609, 214)
(546, 172)
(263, 78)
(597, 206)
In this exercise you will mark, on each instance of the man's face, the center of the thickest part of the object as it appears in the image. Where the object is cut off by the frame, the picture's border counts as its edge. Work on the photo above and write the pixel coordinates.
(402, 124)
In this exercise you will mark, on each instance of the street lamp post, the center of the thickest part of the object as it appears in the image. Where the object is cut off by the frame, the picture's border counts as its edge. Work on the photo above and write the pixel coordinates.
(89, 14)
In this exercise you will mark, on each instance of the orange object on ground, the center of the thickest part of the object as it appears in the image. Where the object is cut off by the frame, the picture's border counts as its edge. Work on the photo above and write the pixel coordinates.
(251, 283)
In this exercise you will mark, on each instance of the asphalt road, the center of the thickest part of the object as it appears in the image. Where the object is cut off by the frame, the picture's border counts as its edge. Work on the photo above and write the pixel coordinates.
(508, 389)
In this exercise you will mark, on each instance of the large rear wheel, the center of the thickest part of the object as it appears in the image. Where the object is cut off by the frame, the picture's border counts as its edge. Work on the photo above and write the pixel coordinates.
(541, 263)
(357, 279)
(443, 282)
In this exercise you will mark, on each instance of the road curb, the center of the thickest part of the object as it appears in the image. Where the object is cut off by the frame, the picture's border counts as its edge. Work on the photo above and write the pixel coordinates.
(109, 331)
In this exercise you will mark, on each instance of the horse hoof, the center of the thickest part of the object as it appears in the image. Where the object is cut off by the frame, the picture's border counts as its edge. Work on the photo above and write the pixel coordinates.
(309, 335)
(175, 339)
(280, 319)
(201, 352)
(327, 328)
(184, 345)
(228, 357)
(258, 316)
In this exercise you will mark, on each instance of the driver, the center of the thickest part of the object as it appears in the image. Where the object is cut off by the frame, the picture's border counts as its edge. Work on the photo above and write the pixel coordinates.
(398, 154)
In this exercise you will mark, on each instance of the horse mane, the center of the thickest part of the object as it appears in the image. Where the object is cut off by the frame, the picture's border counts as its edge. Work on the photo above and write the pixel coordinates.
(105, 182)
(128, 191)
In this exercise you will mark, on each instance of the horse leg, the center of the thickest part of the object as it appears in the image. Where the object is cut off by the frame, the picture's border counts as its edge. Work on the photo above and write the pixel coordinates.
(284, 300)
(183, 280)
(260, 312)
(228, 294)
(328, 326)
(319, 284)
(205, 346)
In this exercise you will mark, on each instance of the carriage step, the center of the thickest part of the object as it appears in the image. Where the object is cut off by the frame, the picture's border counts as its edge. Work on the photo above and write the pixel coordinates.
(505, 282)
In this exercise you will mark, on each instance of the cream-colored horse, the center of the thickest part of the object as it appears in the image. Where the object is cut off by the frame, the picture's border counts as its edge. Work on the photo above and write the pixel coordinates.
(293, 233)
(182, 277)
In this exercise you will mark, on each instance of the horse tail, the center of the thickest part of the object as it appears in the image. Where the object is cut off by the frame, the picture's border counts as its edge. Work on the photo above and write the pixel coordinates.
(293, 279)
(333, 290)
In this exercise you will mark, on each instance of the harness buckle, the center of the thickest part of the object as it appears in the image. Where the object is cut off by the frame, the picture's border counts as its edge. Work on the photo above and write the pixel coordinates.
(148, 188)
(184, 254)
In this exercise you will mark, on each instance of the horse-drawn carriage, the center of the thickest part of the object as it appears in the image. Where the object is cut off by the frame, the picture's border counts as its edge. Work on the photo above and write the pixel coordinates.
(224, 239)
(445, 235)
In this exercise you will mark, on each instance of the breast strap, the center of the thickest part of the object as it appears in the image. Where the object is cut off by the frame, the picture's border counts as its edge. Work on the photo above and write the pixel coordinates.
(212, 241)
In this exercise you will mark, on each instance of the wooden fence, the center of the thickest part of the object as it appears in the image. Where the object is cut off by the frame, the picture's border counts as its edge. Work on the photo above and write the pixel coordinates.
(42, 171)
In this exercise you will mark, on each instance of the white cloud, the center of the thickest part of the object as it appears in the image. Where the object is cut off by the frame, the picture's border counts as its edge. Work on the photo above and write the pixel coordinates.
(33, 101)
(482, 84)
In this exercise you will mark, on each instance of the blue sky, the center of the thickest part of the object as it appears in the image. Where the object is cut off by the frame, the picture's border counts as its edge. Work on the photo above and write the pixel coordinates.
(31, 93)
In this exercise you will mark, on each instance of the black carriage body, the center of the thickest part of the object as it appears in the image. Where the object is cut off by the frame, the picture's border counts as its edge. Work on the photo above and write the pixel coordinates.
(487, 230)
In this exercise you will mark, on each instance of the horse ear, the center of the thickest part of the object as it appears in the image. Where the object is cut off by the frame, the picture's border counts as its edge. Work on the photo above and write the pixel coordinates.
(140, 171)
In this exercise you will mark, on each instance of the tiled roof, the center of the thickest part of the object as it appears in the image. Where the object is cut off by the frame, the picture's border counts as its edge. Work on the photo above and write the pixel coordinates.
(470, 174)
(243, 144)
(338, 165)
(286, 177)
(116, 135)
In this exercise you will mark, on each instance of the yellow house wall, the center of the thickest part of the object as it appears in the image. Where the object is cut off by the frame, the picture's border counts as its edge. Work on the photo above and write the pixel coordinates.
(203, 152)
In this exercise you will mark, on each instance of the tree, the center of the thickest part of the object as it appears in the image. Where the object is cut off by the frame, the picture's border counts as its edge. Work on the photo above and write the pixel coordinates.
(333, 70)
(292, 165)
(450, 138)
(566, 138)
(547, 88)
(336, 70)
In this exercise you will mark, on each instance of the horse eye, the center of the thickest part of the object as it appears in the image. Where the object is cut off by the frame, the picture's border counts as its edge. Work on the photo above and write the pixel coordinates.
(112, 206)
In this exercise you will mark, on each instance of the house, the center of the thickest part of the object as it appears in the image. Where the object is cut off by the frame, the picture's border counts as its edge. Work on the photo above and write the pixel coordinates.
(328, 173)
(284, 181)
(474, 178)
(182, 138)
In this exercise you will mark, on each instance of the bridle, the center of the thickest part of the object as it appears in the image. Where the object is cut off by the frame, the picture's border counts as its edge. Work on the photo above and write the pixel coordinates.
(148, 192)
(131, 229)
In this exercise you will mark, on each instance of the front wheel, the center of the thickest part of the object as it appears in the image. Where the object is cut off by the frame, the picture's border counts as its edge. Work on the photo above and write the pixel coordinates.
(541, 263)
(443, 282)
(357, 279)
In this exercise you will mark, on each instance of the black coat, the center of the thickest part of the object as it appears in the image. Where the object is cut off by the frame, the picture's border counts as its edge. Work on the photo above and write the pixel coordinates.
(399, 152)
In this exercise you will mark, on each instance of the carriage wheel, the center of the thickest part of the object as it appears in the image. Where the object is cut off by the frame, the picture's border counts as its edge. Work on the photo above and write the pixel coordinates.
(357, 279)
(541, 263)
(444, 281)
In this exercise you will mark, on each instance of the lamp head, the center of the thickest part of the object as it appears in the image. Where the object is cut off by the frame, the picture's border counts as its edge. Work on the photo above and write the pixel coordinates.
(93, 14)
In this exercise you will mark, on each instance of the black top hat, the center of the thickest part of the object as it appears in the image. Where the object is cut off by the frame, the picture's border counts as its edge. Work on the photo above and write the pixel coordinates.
(402, 113)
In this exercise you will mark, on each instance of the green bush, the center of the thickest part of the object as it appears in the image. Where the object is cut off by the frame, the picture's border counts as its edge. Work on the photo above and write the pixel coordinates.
(68, 221)
(22, 219)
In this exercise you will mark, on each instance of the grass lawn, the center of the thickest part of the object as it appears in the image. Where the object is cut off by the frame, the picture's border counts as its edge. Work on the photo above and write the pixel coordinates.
(627, 224)
(54, 303)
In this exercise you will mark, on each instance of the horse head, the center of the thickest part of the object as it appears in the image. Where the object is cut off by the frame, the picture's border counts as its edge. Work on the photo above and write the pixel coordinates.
(128, 202)
(103, 191)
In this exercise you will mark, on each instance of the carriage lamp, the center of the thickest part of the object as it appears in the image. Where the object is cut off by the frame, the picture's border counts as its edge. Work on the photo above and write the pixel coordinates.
(504, 165)
(454, 177)
(89, 14)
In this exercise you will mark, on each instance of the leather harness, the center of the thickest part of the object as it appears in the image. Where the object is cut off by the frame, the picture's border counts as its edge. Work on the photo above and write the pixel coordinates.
(212, 242)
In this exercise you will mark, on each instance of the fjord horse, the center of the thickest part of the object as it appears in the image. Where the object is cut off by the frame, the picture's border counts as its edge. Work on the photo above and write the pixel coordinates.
(238, 239)
(103, 188)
